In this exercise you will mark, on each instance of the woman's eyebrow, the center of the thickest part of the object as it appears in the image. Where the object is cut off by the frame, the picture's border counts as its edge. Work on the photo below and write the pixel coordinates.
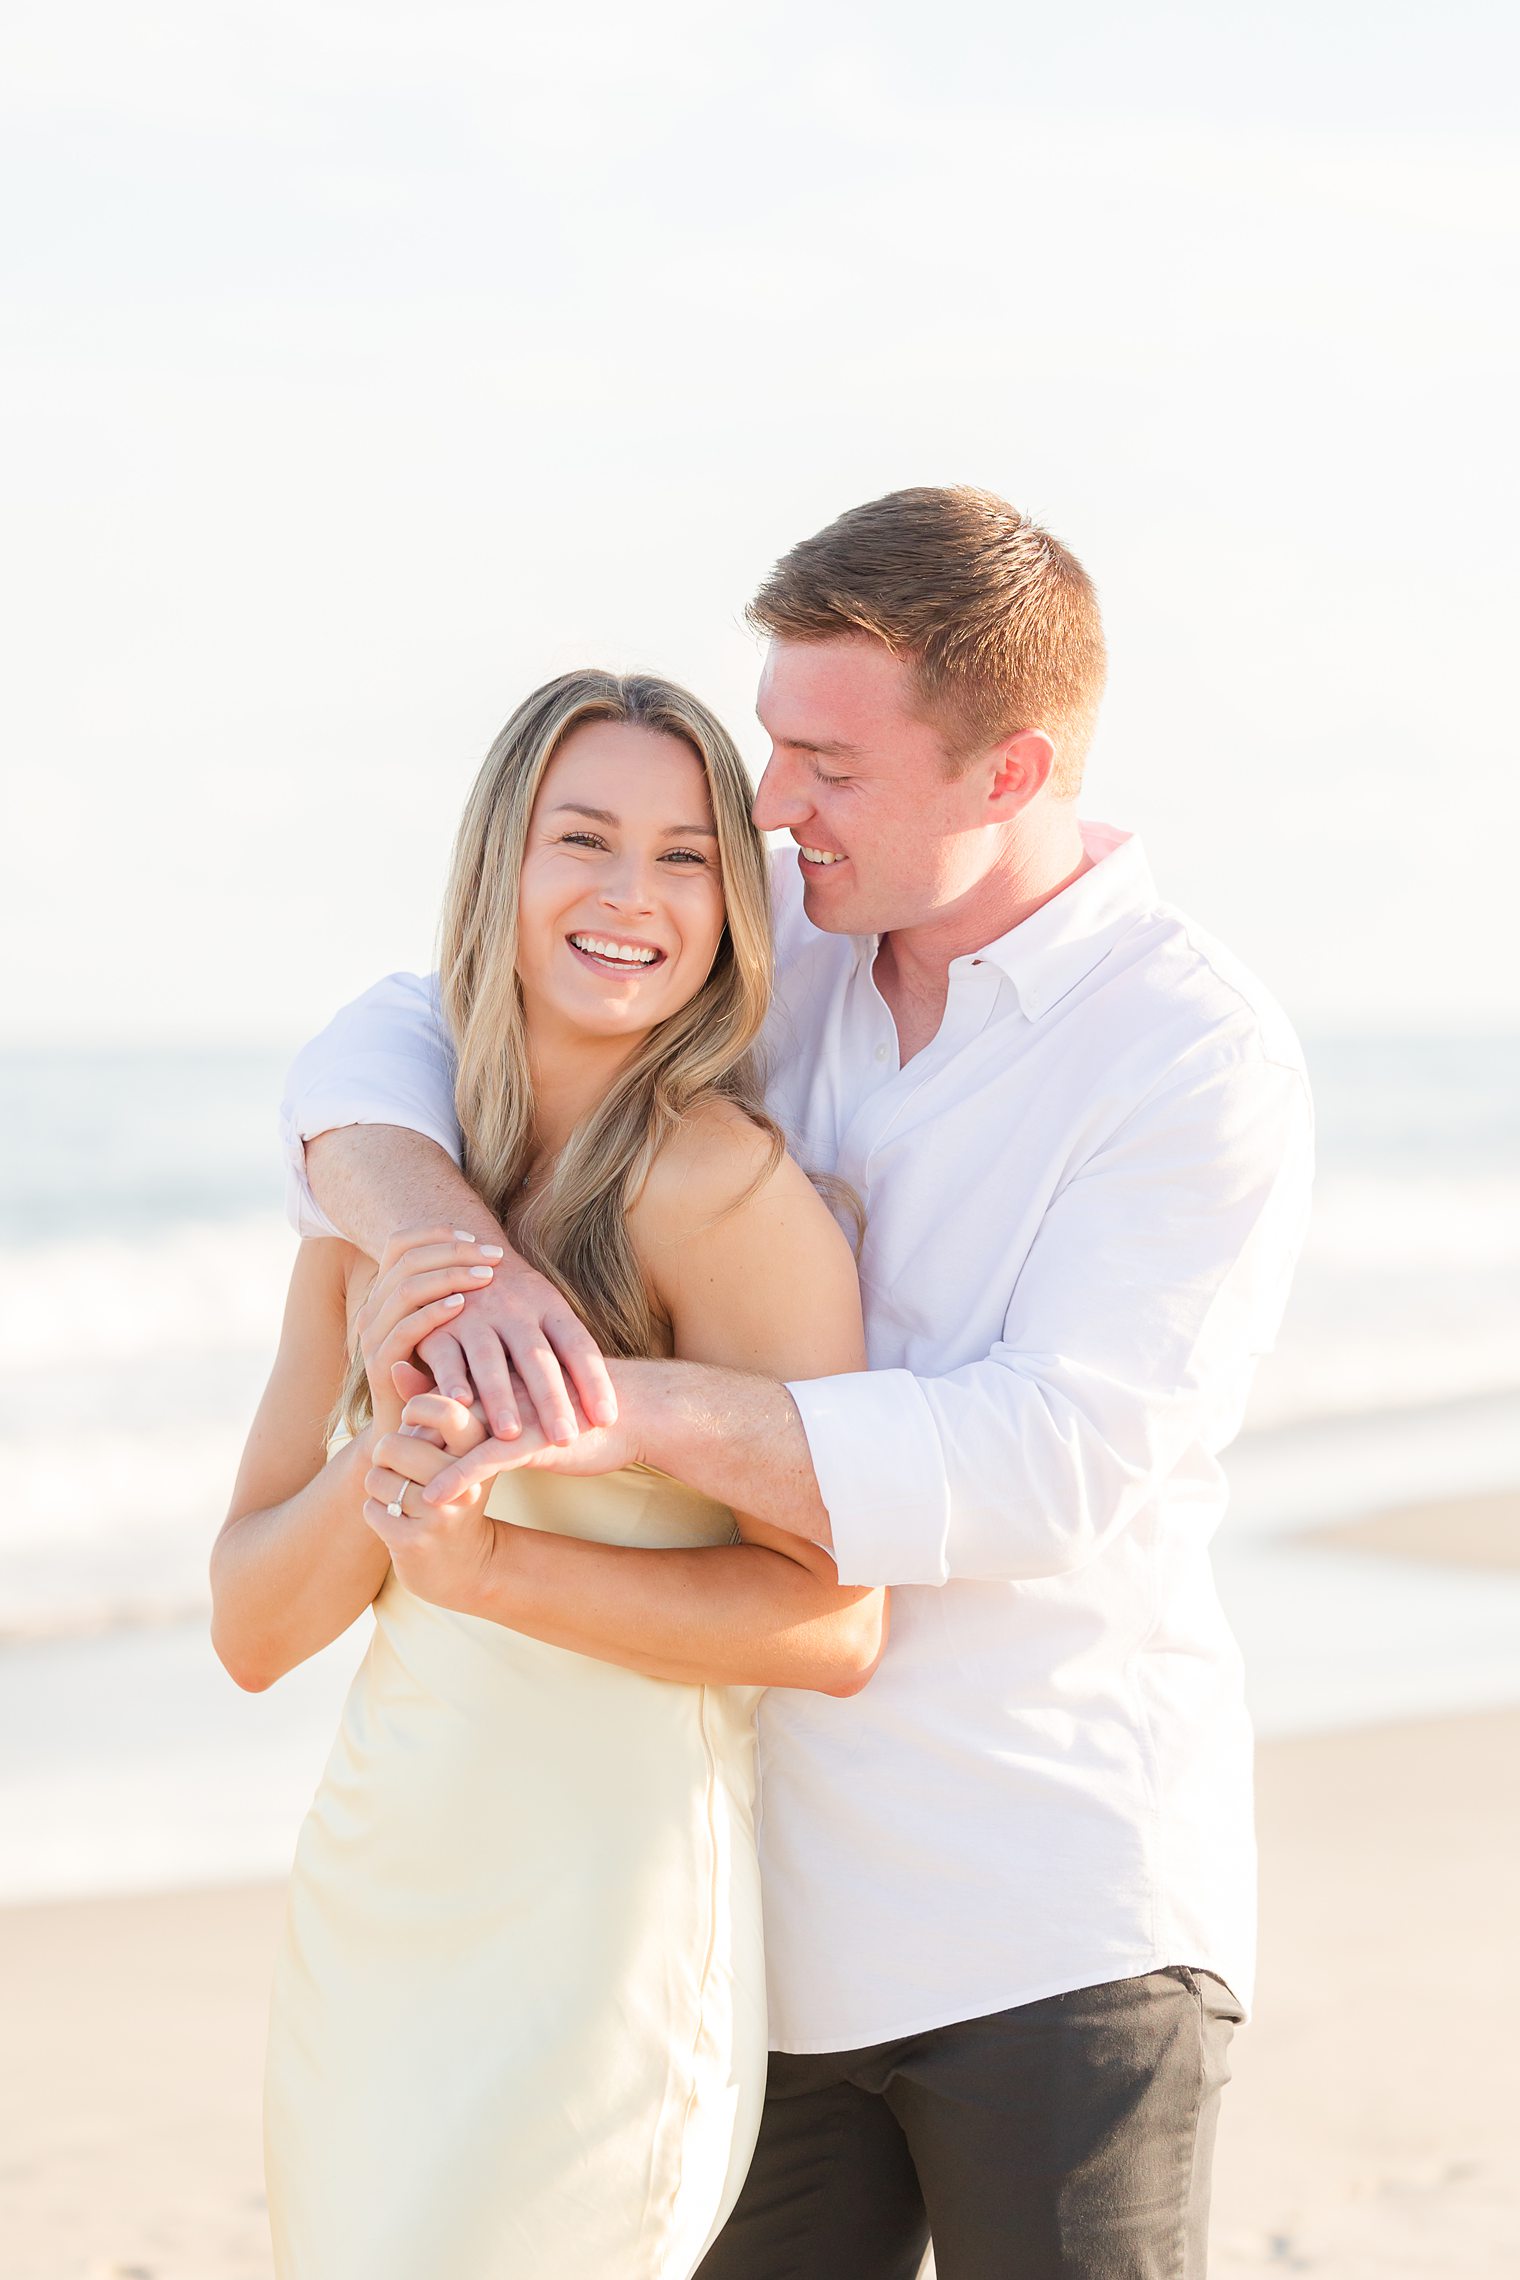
(578, 807)
(605, 815)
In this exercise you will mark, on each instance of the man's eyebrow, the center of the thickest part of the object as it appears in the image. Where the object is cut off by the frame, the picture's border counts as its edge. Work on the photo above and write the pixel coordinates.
(605, 815)
(832, 748)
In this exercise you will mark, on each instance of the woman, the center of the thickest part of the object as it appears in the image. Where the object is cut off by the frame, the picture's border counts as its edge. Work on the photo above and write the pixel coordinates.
(518, 2024)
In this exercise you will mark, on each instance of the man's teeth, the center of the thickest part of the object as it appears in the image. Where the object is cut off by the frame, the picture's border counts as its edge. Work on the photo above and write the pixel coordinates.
(624, 952)
(817, 855)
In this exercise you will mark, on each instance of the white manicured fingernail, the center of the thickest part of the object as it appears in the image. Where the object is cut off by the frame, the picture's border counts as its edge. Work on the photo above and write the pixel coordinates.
(481, 1274)
(456, 1300)
(461, 1237)
(460, 1393)
(492, 1251)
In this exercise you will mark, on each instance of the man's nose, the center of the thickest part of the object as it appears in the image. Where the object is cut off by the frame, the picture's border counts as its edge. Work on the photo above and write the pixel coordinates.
(781, 799)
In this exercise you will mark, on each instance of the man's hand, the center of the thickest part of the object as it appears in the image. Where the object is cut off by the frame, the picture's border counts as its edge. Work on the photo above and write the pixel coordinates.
(513, 1347)
(589, 1449)
(370, 1178)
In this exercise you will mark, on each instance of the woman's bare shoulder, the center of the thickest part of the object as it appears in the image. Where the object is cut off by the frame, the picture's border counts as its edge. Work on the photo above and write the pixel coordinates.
(717, 1160)
(743, 1256)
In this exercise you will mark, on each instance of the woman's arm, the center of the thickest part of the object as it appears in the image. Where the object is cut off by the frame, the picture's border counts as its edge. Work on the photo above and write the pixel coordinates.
(752, 1274)
(294, 1563)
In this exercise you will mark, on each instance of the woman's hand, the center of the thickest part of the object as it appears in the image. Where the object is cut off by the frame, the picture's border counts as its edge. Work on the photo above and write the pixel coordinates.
(441, 1552)
(424, 1276)
(592, 1449)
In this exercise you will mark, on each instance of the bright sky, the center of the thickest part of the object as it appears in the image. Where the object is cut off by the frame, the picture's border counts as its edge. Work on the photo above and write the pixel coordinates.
(365, 364)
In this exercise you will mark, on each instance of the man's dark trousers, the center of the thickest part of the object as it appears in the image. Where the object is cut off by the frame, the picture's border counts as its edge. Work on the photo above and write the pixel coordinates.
(1068, 2137)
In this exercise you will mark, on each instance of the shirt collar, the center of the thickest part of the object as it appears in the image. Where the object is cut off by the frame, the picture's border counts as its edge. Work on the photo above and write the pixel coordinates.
(1047, 954)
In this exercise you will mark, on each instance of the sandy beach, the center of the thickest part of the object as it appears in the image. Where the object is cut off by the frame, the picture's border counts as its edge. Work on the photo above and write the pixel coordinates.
(1370, 2128)
(129, 2100)
(1473, 1531)
(1369, 2132)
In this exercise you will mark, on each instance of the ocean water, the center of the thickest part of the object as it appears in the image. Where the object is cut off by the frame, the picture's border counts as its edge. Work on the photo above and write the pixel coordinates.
(143, 1261)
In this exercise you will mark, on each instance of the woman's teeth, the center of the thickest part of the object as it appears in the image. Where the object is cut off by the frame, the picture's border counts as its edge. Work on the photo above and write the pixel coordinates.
(817, 855)
(617, 953)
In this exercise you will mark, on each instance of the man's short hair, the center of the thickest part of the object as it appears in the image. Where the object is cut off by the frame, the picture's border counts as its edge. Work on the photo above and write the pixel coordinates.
(998, 619)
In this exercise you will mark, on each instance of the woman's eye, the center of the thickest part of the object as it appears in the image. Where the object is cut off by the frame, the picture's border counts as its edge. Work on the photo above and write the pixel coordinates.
(583, 839)
(684, 855)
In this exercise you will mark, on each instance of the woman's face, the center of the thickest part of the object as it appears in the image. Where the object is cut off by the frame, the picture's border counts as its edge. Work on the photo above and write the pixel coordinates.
(621, 904)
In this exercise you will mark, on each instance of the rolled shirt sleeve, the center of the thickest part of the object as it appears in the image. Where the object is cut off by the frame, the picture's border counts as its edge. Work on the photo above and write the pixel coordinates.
(1157, 1278)
(385, 1059)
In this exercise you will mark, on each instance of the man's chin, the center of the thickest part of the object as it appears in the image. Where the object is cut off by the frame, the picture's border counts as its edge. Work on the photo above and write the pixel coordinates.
(829, 912)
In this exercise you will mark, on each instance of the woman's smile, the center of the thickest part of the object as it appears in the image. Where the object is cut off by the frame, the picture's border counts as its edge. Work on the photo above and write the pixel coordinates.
(615, 954)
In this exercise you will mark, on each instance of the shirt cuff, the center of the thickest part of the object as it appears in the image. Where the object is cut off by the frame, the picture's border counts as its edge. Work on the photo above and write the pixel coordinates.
(326, 1108)
(302, 1209)
(881, 1474)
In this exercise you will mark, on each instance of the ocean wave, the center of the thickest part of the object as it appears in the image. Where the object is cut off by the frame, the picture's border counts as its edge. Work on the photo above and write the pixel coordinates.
(1309, 1383)
(103, 1533)
(192, 1284)
(1376, 1222)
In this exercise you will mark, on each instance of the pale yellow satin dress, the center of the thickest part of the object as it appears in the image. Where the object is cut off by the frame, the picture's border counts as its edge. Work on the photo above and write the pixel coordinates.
(518, 2025)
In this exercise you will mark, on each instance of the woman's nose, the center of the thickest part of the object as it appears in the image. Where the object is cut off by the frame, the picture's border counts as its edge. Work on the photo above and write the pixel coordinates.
(629, 887)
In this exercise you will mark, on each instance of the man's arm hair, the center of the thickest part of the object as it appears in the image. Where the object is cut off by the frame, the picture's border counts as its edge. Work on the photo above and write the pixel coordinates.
(370, 1179)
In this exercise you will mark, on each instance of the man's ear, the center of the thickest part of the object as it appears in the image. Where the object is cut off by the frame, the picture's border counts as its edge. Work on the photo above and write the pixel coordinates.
(1021, 770)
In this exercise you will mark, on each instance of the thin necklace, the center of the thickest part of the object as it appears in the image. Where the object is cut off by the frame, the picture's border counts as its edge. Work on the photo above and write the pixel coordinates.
(546, 1171)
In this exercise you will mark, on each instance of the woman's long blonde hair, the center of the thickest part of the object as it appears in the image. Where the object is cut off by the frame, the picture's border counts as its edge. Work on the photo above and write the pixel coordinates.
(574, 1229)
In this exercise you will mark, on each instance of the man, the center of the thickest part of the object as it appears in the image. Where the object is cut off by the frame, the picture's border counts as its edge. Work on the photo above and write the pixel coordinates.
(1009, 1887)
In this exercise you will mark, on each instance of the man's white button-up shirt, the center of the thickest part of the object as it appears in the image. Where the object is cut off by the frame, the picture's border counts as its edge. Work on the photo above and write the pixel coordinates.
(1084, 1199)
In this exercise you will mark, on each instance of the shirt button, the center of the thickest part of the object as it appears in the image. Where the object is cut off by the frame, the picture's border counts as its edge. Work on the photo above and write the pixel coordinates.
(881, 1052)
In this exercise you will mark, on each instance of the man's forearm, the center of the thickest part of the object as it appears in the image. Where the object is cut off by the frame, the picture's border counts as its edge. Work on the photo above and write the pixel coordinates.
(733, 1437)
(371, 1179)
